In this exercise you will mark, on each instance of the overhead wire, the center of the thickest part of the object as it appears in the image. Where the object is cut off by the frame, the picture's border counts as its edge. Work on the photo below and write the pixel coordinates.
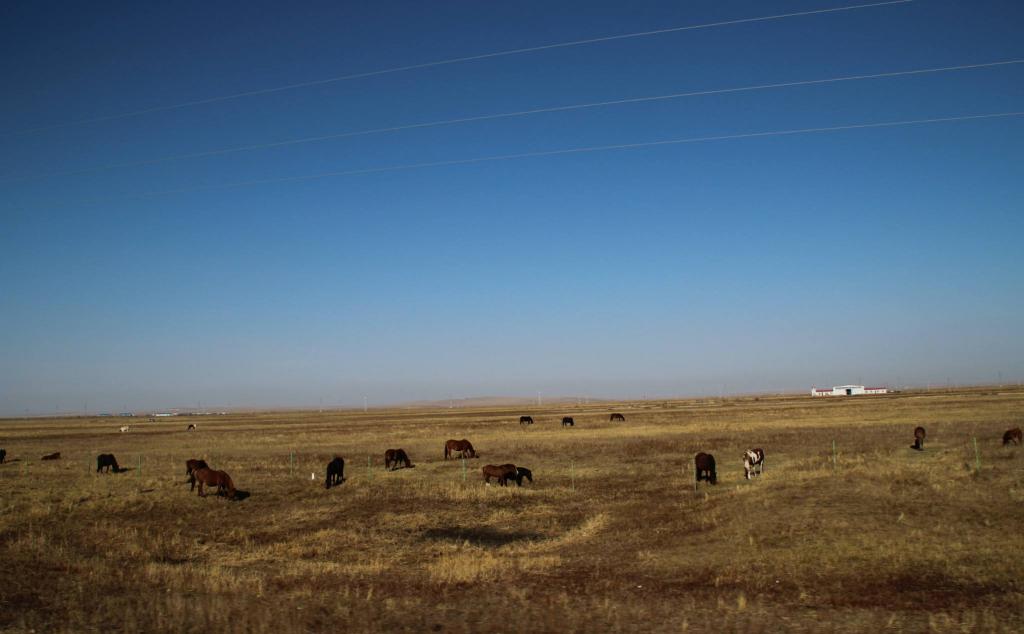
(559, 152)
(444, 62)
(503, 115)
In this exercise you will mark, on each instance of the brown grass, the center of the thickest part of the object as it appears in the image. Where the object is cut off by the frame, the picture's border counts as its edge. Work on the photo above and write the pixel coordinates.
(610, 537)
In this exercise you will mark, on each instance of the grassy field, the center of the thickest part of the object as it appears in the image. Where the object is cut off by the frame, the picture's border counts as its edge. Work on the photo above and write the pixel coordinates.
(611, 536)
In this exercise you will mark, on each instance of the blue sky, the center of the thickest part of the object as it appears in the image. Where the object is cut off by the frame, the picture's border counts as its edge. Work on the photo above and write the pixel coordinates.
(887, 255)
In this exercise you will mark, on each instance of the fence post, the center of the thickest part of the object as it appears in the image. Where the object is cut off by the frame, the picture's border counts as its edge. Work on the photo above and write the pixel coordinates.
(140, 469)
(463, 469)
(369, 468)
(977, 456)
(572, 474)
(834, 461)
(291, 463)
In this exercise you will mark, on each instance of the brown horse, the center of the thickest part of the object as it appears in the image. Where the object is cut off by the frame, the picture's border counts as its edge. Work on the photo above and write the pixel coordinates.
(1011, 435)
(918, 439)
(395, 457)
(526, 420)
(191, 466)
(107, 461)
(705, 467)
(209, 477)
(462, 446)
(503, 473)
(616, 416)
(52, 456)
(335, 472)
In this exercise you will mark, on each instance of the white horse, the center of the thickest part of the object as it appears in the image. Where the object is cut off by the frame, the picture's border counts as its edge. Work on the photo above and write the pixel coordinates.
(753, 462)
(124, 428)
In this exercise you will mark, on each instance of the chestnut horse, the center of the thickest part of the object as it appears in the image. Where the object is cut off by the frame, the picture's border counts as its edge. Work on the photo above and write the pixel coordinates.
(209, 477)
(194, 465)
(395, 457)
(462, 446)
(918, 439)
(617, 416)
(503, 473)
(107, 461)
(1011, 435)
(335, 472)
(705, 467)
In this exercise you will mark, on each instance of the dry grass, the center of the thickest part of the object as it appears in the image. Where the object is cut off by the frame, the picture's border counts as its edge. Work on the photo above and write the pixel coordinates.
(610, 537)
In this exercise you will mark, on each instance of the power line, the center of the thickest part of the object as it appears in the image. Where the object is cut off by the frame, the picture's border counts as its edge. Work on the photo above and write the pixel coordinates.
(544, 153)
(445, 62)
(503, 115)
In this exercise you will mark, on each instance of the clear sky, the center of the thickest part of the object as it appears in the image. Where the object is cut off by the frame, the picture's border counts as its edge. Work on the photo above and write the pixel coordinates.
(880, 255)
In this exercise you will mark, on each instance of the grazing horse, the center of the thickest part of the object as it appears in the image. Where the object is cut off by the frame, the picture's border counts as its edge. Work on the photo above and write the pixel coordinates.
(503, 473)
(335, 472)
(523, 472)
(567, 421)
(526, 420)
(124, 428)
(52, 456)
(705, 467)
(1011, 435)
(209, 477)
(191, 466)
(395, 457)
(918, 439)
(3, 455)
(753, 462)
(616, 416)
(462, 446)
(107, 461)
(191, 427)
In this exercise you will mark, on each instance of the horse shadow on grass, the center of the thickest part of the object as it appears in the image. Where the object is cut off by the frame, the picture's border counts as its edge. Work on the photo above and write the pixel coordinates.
(240, 495)
(480, 536)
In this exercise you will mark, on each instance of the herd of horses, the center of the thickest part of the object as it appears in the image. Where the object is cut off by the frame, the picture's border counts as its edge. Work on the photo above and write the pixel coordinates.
(199, 472)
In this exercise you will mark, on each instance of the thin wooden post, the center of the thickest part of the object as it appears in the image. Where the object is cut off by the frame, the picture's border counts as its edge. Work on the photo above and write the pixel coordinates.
(977, 456)
(834, 461)
(140, 469)
(572, 475)
(291, 463)
(463, 469)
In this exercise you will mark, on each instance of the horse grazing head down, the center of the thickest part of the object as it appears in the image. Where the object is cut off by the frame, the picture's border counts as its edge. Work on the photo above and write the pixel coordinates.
(335, 472)
(219, 479)
(464, 447)
(616, 416)
(919, 435)
(106, 462)
(503, 473)
(753, 462)
(1011, 435)
(705, 467)
(395, 457)
(523, 472)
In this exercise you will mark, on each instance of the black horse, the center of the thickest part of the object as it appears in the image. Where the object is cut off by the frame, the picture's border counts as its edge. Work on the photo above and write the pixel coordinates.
(616, 416)
(705, 467)
(567, 421)
(335, 472)
(526, 420)
(523, 472)
(919, 435)
(3, 455)
(107, 461)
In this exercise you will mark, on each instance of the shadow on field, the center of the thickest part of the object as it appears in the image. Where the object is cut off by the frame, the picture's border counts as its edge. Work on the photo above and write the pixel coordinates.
(240, 495)
(485, 537)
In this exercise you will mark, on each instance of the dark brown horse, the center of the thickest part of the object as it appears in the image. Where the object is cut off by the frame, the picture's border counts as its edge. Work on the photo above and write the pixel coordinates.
(335, 472)
(705, 467)
(52, 456)
(918, 439)
(463, 446)
(191, 466)
(567, 421)
(107, 461)
(209, 477)
(523, 472)
(503, 473)
(526, 420)
(3, 455)
(1011, 435)
(616, 416)
(395, 457)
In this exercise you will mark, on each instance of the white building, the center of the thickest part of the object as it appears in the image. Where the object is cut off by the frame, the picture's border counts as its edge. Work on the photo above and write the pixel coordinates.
(847, 390)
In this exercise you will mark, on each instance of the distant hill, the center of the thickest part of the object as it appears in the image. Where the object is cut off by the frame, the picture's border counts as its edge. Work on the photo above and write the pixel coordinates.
(500, 401)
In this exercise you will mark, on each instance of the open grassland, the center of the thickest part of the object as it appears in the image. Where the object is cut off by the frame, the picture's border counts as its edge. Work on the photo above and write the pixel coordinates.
(611, 536)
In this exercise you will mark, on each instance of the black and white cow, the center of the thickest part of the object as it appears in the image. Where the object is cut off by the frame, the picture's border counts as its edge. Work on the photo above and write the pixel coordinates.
(753, 462)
